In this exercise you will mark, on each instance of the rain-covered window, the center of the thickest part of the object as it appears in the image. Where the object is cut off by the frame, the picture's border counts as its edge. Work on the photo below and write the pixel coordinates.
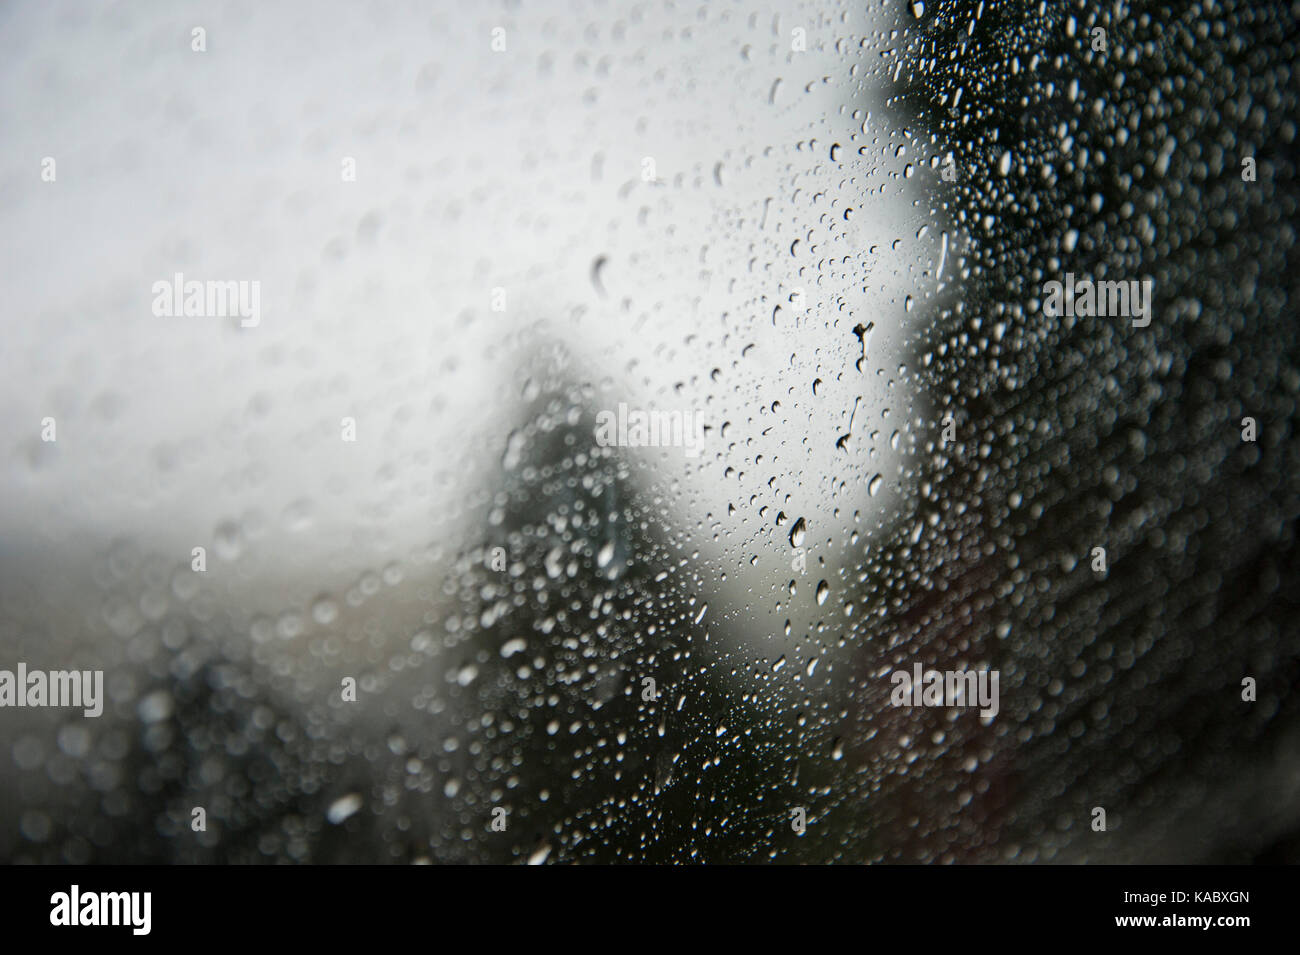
(657, 432)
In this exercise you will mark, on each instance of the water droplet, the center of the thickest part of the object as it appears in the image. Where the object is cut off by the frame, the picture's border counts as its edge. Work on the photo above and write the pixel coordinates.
(155, 707)
(324, 611)
(540, 854)
(606, 555)
(228, 540)
(343, 807)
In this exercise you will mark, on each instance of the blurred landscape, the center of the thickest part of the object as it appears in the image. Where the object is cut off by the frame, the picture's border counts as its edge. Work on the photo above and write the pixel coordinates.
(791, 267)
